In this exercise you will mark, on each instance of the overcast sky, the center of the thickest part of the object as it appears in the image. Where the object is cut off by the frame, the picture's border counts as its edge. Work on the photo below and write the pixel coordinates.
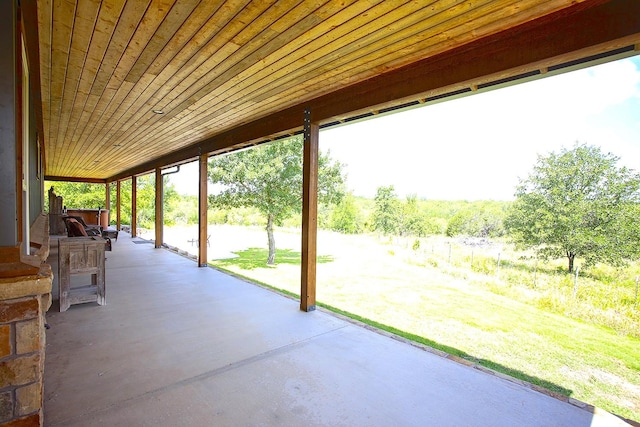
(477, 147)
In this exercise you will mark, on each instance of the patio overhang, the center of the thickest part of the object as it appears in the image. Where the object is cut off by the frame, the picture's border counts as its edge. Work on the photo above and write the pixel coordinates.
(549, 45)
(97, 118)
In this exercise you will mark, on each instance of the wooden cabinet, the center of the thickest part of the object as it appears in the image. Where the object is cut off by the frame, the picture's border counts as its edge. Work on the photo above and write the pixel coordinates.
(80, 259)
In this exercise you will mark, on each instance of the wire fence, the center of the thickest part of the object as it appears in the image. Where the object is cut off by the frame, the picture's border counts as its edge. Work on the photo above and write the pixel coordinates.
(601, 293)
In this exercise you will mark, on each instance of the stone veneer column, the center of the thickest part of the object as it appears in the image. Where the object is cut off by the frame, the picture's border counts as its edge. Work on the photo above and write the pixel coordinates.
(24, 301)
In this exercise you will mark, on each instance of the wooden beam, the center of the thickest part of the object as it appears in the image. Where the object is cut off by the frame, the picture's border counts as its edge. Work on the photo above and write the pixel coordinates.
(118, 205)
(159, 208)
(77, 179)
(203, 204)
(107, 201)
(309, 213)
(588, 28)
(134, 210)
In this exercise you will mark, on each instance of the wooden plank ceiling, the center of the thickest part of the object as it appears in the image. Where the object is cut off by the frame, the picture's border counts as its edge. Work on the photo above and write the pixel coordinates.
(211, 66)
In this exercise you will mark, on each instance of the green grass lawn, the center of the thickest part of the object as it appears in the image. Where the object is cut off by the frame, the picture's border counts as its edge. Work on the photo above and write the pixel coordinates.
(462, 312)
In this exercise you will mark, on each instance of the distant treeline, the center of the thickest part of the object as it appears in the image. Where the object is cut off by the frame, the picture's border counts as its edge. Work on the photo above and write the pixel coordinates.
(393, 216)
(386, 213)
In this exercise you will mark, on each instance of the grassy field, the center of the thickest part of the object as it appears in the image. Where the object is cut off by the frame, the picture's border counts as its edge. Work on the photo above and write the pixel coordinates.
(520, 317)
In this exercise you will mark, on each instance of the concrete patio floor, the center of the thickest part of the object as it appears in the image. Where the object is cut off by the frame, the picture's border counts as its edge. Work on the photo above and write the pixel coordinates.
(178, 345)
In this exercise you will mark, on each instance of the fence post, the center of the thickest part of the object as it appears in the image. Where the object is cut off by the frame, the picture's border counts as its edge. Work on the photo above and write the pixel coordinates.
(575, 283)
(535, 273)
(498, 267)
(472, 259)
(635, 299)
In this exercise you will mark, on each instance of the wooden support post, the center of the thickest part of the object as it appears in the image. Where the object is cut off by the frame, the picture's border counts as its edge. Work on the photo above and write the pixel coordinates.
(309, 213)
(107, 202)
(118, 201)
(203, 205)
(134, 210)
(159, 207)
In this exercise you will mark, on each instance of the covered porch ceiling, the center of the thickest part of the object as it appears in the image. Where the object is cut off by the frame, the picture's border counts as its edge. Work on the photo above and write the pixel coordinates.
(131, 85)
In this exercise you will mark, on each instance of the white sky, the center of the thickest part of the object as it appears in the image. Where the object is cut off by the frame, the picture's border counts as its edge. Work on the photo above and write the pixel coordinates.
(477, 147)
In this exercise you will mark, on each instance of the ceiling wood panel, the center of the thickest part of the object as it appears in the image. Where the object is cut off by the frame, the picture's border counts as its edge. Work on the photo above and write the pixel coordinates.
(315, 82)
(85, 15)
(148, 83)
(63, 14)
(126, 20)
(101, 37)
(214, 52)
(390, 13)
(217, 66)
(117, 88)
(256, 98)
(153, 121)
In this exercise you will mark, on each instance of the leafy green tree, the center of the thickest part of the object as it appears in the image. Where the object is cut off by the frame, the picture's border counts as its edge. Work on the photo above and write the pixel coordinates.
(269, 178)
(345, 217)
(79, 195)
(578, 203)
(386, 214)
(91, 196)
(460, 223)
(413, 221)
(125, 201)
(146, 201)
(477, 222)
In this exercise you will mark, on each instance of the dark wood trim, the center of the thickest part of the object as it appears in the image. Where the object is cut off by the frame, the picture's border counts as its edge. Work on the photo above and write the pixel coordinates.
(159, 208)
(579, 31)
(77, 179)
(309, 214)
(134, 208)
(203, 205)
(107, 201)
(118, 205)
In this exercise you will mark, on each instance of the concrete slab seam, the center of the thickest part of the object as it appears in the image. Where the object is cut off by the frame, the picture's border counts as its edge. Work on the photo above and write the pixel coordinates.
(205, 375)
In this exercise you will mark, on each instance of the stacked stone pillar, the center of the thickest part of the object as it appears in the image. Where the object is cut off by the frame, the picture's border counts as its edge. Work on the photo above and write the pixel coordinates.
(23, 303)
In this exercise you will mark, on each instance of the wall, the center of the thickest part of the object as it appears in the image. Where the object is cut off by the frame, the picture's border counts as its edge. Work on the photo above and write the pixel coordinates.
(25, 281)
(8, 85)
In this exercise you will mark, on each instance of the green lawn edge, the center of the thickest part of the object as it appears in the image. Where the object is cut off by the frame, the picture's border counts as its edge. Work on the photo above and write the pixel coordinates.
(553, 389)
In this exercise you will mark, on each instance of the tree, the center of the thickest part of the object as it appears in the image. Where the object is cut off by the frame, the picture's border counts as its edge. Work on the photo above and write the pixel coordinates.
(345, 217)
(269, 178)
(413, 221)
(478, 220)
(578, 203)
(146, 201)
(91, 196)
(79, 195)
(386, 214)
